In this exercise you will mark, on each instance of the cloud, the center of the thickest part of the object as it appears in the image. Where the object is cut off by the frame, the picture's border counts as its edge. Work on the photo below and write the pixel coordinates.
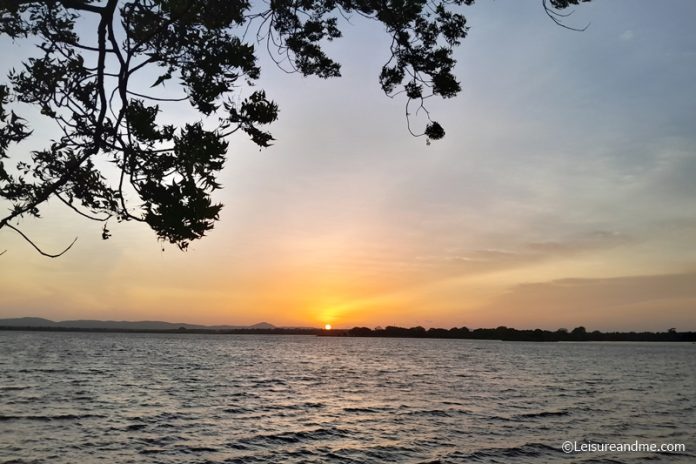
(651, 302)
(592, 240)
(627, 35)
(524, 253)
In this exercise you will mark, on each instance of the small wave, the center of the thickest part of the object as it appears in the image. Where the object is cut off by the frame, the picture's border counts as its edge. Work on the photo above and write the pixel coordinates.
(167, 416)
(238, 446)
(322, 433)
(380, 453)
(199, 449)
(152, 451)
(365, 410)
(26, 400)
(430, 412)
(160, 441)
(22, 461)
(269, 382)
(134, 427)
(45, 371)
(57, 417)
(388, 453)
(235, 410)
(293, 406)
(14, 387)
(532, 450)
(534, 415)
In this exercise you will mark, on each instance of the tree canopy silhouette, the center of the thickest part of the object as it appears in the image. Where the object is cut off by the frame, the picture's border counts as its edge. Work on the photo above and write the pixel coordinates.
(91, 53)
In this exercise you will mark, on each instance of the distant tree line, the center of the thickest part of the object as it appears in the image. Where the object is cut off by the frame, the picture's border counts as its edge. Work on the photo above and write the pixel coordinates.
(578, 334)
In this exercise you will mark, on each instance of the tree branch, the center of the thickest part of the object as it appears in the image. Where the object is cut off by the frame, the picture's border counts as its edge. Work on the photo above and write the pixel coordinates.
(71, 206)
(157, 98)
(554, 15)
(48, 255)
(106, 17)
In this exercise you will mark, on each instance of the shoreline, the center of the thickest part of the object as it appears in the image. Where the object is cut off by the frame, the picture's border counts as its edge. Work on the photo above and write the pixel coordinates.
(500, 334)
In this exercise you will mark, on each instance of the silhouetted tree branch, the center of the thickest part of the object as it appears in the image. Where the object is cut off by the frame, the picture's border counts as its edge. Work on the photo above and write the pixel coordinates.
(551, 10)
(84, 79)
(36, 247)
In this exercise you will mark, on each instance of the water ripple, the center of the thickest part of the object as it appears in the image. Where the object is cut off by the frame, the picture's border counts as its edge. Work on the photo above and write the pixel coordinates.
(132, 398)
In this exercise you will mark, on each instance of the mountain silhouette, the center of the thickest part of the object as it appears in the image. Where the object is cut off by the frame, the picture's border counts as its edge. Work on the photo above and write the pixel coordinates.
(128, 325)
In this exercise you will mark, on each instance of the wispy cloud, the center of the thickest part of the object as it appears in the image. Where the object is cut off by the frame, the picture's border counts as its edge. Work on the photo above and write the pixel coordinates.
(627, 35)
(611, 303)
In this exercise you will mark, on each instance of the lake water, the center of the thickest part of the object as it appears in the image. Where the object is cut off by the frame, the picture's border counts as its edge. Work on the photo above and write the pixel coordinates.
(141, 398)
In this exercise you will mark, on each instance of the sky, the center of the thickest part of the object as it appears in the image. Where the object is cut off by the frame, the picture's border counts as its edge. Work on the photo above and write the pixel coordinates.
(562, 195)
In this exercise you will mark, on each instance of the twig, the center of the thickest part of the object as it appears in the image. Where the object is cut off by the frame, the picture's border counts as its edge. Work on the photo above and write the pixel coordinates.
(554, 15)
(49, 255)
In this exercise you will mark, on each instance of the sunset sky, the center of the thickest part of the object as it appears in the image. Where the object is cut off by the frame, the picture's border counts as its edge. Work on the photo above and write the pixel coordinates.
(563, 194)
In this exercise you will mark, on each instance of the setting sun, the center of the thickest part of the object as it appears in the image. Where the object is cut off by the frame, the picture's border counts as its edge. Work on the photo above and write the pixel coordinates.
(327, 327)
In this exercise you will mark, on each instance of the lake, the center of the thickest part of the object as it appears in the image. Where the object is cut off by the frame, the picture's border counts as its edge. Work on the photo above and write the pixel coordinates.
(134, 398)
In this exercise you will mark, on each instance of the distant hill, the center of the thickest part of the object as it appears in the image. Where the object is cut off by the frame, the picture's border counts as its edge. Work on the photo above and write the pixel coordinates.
(262, 325)
(127, 325)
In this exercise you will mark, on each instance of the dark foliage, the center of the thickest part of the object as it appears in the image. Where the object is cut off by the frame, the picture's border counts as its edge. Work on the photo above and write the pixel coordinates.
(579, 334)
(166, 174)
(500, 333)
